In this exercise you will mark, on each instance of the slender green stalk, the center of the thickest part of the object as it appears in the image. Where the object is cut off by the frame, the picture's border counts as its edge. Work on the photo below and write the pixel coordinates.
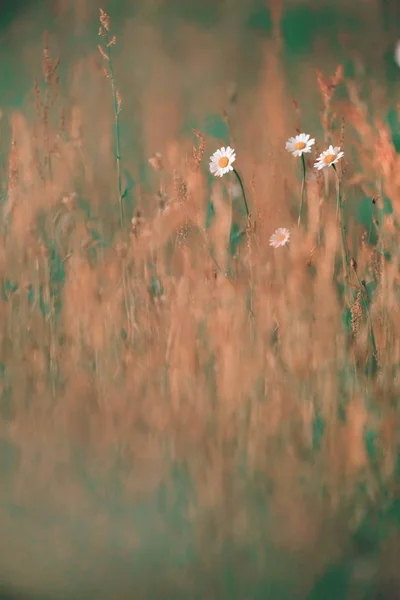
(341, 223)
(303, 189)
(105, 51)
(116, 108)
(243, 192)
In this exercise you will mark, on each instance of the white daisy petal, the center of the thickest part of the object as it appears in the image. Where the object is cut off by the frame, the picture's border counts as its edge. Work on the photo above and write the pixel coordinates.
(329, 157)
(300, 144)
(397, 53)
(280, 237)
(221, 161)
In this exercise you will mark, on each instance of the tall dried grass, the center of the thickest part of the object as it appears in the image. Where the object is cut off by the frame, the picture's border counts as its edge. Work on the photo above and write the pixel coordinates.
(132, 355)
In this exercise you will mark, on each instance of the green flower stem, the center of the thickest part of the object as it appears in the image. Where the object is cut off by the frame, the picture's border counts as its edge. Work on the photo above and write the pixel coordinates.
(243, 192)
(303, 189)
(341, 220)
(116, 111)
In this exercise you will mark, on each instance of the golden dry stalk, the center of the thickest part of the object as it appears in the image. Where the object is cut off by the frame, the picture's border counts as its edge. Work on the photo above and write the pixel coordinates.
(356, 314)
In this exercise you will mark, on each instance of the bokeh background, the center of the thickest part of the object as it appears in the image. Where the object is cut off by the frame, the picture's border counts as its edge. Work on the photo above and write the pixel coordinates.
(180, 64)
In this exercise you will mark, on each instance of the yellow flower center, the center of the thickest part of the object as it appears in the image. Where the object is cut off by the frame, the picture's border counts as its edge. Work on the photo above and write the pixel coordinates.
(329, 158)
(281, 237)
(223, 162)
(299, 146)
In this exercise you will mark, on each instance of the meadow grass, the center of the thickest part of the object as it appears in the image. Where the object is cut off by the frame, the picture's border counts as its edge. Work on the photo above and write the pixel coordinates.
(158, 354)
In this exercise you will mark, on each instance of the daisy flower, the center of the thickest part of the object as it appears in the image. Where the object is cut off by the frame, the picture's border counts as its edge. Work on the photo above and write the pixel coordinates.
(280, 237)
(329, 157)
(156, 161)
(300, 144)
(397, 53)
(221, 161)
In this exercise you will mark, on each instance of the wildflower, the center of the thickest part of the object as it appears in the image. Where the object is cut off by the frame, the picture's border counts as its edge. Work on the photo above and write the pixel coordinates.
(70, 200)
(300, 144)
(280, 237)
(137, 223)
(397, 53)
(329, 157)
(156, 161)
(221, 161)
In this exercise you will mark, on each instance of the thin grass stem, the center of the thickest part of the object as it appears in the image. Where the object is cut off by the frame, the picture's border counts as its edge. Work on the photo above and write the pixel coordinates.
(243, 192)
(303, 189)
(117, 136)
(341, 224)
